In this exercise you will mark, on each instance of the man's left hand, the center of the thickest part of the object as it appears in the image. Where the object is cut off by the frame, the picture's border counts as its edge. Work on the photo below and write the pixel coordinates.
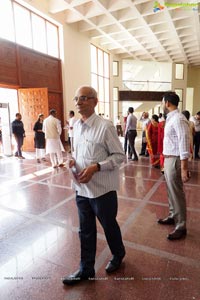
(86, 174)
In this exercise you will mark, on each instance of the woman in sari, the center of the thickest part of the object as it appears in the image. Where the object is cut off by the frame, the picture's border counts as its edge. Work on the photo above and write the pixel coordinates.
(152, 141)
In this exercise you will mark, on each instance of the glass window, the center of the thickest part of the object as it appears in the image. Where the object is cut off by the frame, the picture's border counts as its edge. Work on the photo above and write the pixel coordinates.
(106, 65)
(106, 89)
(19, 24)
(100, 62)
(39, 34)
(101, 89)
(52, 39)
(93, 59)
(115, 68)
(94, 81)
(6, 21)
(100, 78)
(22, 25)
(179, 72)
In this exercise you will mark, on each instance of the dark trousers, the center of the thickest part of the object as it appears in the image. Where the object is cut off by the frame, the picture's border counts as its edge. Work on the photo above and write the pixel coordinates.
(126, 145)
(144, 144)
(131, 138)
(19, 141)
(105, 209)
(196, 144)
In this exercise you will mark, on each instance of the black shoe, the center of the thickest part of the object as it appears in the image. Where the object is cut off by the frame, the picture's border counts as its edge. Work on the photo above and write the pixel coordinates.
(77, 277)
(146, 155)
(114, 264)
(134, 159)
(166, 221)
(141, 154)
(177, 234)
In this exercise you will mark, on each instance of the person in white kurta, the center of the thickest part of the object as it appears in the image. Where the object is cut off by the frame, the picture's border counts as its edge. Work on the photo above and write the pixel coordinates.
(52, 130)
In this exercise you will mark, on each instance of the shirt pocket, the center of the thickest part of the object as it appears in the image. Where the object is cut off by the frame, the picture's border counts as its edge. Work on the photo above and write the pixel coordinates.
(92, 151)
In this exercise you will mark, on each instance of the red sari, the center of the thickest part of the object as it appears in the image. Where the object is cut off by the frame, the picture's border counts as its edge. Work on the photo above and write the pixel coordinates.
(152, 143)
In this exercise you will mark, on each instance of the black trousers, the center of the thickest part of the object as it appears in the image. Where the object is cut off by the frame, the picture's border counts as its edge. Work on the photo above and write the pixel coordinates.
(105, 209)
(196, 144)
(19, 141)
(131, 138)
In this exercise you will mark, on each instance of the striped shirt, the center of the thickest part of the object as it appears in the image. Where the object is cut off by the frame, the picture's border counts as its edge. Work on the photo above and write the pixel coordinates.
(176, 135)
(96, 141)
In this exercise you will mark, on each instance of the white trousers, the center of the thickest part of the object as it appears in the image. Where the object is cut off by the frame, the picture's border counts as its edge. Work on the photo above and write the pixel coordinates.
(56, 158)
(40, 153)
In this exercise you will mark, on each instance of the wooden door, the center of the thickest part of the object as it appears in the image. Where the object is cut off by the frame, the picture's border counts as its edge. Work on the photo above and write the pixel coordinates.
(31, 103)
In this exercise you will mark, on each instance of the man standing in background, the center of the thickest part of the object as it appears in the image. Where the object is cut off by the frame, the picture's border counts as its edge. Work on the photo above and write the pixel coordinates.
(196, 120)
(19, 134)
(176, 150)
(131, 131)
(52, 130)
(70, 127)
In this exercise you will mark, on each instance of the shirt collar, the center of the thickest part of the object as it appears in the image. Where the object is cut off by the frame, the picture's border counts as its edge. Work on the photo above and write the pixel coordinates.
(171, 113)
(89, 122)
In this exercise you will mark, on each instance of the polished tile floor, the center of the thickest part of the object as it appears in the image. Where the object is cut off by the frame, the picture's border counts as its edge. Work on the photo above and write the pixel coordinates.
(39, 236)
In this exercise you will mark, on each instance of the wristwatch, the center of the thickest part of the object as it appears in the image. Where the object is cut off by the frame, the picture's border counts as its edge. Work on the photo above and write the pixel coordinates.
(98, 167)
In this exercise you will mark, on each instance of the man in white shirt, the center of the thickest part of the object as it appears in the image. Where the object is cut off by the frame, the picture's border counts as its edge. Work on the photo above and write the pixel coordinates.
(70, 127)
(52, 130)
(196, 120)
(97, 156)
(176, 150)
(131, 131)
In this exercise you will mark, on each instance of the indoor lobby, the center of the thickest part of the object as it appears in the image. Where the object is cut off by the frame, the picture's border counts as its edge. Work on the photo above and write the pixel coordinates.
(40, 243)
(131, 52)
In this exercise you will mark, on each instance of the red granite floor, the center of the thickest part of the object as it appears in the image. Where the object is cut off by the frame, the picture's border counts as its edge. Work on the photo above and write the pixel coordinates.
(39, 237)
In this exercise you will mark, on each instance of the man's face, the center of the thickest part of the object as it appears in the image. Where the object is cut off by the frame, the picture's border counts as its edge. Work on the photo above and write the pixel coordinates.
(85, 106)
(164, 107)
(19, 117)
(198, 117)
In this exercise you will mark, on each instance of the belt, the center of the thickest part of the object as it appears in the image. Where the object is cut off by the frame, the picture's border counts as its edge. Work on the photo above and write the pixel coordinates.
(170, 156)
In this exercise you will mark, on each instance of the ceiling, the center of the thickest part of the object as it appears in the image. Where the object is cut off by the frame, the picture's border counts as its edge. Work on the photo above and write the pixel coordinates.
(143, 30)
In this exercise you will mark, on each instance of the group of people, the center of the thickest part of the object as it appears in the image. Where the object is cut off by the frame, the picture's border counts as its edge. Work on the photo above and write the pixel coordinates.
(153, 135)
(46, 138)
(97, 155)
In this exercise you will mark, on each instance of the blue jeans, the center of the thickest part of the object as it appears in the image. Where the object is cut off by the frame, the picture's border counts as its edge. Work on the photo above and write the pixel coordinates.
(105, 209)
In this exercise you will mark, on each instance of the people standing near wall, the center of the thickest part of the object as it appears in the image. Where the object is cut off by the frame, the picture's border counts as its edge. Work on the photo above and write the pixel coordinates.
(52, 130)
(176, 150)
(196, 120)
(39, 139)
(131, 131)
(97, 156)
(19, 135)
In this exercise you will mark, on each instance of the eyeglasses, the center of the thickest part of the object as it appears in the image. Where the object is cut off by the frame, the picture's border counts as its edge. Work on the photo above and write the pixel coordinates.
(82, 98)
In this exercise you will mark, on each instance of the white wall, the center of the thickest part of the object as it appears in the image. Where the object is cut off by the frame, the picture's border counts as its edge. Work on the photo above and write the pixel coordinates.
(76, 65)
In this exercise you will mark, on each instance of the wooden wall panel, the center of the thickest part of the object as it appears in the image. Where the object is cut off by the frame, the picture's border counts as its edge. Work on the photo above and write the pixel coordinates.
(38, 70)
(55, 101)
(8, 63)
(140, 96)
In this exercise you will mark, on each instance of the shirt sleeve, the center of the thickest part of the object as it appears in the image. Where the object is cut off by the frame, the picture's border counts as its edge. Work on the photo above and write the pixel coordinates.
(183, 132)
(115, 151)
(127, 123)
